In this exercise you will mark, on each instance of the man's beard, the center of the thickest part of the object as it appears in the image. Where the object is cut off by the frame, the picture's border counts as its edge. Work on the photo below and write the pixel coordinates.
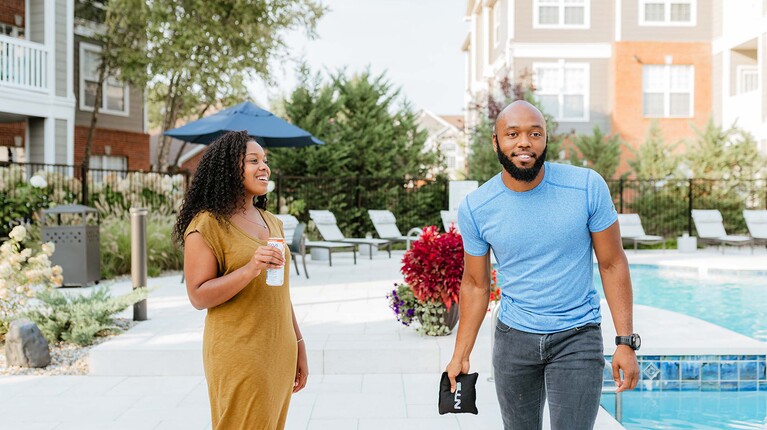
(519, 173)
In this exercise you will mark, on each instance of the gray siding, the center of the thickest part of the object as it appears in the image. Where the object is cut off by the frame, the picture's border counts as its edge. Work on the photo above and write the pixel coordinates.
(764, 75)
(36, 140)
(716, 18)
(716, 88)
(632, 31)
(740, 58)
(134, 122)
(37, 21)
(599, 96)
(61, 48)
(499, 46)
(601, 27)
(61, 141)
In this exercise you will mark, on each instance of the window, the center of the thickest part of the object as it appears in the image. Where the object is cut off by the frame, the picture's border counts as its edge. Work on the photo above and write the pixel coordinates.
(115, 93)
(103, 163)
(563, 89)
(748, 79)
(667, 12)
(497, 23)
(561, 13)
(667, 91)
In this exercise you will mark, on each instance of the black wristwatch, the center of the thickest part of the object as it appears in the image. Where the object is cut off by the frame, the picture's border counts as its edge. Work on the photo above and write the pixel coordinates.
(634, 341)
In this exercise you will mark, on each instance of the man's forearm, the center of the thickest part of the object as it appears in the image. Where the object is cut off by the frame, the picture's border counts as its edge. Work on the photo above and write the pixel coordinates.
(473, 307)
(618, 292)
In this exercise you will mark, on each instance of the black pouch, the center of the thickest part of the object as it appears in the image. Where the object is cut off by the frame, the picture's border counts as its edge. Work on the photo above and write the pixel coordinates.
(464, 400)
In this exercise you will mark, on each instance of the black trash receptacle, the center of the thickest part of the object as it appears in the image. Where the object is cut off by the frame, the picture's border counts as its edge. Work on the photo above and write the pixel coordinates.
(74, 229)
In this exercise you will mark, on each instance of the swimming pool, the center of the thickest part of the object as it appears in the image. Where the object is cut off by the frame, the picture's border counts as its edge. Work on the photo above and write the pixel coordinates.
(737, 302)
(699, 392)
(697, 410)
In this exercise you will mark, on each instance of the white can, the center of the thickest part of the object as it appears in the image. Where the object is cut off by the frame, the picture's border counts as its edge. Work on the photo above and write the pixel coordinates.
(276, 277)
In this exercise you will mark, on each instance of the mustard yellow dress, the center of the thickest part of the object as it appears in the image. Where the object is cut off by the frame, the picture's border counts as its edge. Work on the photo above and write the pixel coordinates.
(249, 344)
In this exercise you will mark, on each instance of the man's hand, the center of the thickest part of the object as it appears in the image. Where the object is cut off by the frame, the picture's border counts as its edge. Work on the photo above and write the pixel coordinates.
(455, 368)
(625, 359)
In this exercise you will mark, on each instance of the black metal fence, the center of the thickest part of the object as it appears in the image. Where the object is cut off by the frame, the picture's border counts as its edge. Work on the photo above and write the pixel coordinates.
(415, 203)
(664, 206)
(25, 188)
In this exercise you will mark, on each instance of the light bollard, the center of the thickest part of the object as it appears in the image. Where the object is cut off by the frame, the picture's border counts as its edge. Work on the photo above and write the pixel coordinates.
(138, 257)
(493, 323)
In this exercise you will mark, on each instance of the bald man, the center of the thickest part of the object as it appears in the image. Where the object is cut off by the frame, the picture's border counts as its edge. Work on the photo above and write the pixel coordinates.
(542, 221)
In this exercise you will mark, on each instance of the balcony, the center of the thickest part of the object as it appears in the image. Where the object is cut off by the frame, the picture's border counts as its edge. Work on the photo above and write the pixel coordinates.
(23, 64)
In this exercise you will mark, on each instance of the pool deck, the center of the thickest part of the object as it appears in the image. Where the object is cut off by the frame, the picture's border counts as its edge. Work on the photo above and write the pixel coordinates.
(360, 357)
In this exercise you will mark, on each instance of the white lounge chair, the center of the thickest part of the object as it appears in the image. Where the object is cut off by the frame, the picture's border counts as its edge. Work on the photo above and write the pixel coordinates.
(327, 225)
(632, 230)
(290, 226)
(756, 220)
(710, 228)
(386, 226)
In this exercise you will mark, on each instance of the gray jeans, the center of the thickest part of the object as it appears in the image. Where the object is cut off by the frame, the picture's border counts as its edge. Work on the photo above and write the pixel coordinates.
(566, 366)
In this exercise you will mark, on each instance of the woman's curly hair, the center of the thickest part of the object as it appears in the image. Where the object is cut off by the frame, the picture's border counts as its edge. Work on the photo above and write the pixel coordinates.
(217, 185)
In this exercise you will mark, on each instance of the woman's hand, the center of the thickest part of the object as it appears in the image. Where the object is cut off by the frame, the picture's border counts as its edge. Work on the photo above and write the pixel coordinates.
(266, 257)
(302, 368)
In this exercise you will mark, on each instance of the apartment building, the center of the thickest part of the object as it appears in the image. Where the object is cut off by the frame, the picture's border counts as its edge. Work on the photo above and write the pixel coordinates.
(48, 82)
(446, 134)
(621, 64)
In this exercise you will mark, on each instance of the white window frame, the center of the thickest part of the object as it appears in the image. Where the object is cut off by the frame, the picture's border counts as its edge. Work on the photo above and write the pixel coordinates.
(126, 88)
(740, 72)
(497, 23)
(561, 66)
(667, 14)
(561, 25)
(667, 92)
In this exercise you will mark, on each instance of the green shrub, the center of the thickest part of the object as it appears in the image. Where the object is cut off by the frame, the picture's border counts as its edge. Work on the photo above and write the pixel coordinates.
(80, 319)
(162, 254)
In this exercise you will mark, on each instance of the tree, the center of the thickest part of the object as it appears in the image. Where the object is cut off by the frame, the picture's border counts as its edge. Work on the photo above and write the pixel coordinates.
(121, 32)
(199, 48)
(597, 151)
(653, 159)
(483, 163)
(720, 153)
(367, 128)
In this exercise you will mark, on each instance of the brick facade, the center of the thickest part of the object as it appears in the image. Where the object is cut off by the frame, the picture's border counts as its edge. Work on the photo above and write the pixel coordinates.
(134, 146)
(9, 9)
(9, 130)
(627, 118)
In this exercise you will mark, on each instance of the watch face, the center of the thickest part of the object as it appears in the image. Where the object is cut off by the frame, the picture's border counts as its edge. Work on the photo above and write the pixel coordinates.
(636, 341)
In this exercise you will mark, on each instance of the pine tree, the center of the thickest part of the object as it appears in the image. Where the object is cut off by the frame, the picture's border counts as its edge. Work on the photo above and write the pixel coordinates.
(599, 152)
(653, 159)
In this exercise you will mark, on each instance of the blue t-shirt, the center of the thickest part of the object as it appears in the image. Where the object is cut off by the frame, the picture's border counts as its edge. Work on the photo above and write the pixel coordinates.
(542, 241)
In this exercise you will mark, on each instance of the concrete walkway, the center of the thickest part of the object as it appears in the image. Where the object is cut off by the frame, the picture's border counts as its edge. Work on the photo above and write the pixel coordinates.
(366, 370)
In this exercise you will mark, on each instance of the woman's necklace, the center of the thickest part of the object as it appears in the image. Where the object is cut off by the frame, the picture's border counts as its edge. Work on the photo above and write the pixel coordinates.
(242, 215)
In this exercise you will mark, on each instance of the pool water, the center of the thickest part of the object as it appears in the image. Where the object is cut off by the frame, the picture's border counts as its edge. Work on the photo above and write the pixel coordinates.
(737, 302)
(697, 410)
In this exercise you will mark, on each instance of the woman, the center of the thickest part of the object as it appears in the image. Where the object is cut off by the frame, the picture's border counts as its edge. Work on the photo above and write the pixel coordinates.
(253, 352)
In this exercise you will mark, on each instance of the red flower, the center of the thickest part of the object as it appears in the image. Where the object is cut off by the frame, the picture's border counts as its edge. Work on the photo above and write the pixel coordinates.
(433, 266)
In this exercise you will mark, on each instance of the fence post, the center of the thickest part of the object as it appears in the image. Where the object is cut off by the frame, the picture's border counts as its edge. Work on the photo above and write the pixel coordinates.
(138, 257)
(689, 208)
(84, 185)
(620, 187)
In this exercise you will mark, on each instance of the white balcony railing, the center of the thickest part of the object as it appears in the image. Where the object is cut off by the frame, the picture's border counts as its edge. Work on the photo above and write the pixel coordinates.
(23, 64)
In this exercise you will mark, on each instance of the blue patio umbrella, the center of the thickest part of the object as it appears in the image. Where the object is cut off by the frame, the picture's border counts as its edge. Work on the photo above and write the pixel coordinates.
(268, 130)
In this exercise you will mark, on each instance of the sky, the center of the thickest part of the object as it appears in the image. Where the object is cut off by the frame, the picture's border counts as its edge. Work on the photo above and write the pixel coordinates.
(416, 42)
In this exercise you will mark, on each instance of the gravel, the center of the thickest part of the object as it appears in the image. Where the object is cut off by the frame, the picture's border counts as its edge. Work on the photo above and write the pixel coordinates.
(66, 358)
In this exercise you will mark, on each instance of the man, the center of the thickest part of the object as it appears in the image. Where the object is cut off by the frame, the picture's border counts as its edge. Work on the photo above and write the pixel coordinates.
(541, 221)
